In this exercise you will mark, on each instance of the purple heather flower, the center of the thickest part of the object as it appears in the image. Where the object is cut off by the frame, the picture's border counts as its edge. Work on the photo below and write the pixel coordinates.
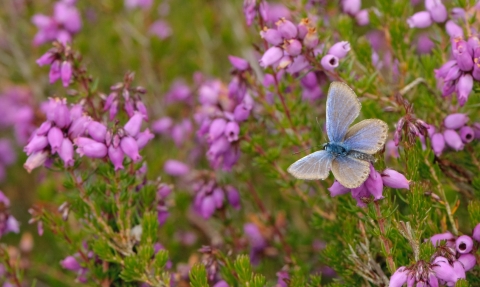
(54, 73)
(116, 156)
(463, 56)
(424, 44)
(391, 149)
(444, 271)
(399, 278)
(7, 153)
(175, 168)
(46, 59)
(249, 11)
(337, 189)
(293, 47)
(464, 244)
(143, 138)
(438, 143)
(78, 126)
(374, 183)
(144, 4)
(453, 73)
(455, 121)
(437, 10)
(217, 128)
(394, 179)
(161, 29)
(130, 148)
(70, 263)
(362, 17)
(287, 29)
(453, 29)
(37, 143)
(420, 20)
(233, 196)
(218, 196)
(68, 16)
(468, 261)
(329, 62)
(302, 28)
(476, 233)
(453, 140)
(444, 69)
(132, 127)
(467, 134)
(351, 7)
(93, 150)
(164, 191)
(442, 236)
(272, 36)
(239, 63)
(231, 131)
(221, 283)
(35, 160)
(97, 131)
(276, 12)
(66, 73)
(207, 207)
(311, 39)
(55, 139)
(340, 49)
(162, 125)
(464, 87)
(66, 152)
(256, 239)
(284, 62)
(476, 130)
(271, 56)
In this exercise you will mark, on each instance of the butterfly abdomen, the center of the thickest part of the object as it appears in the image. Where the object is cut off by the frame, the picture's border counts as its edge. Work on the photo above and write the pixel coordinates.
(361, 156)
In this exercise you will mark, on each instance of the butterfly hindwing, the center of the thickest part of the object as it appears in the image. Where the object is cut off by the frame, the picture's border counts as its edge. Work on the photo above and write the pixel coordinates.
(343, 107)
(349, 171)
(367, 136)
(314, 166)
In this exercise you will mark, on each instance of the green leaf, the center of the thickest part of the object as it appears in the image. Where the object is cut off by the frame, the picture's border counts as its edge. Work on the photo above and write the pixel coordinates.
(198, 276)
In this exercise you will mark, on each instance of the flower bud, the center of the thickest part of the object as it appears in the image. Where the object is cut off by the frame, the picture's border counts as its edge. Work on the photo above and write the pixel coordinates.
(293, 47)
(175, 168)
(143, 138)
(132, 127)
(374, 183)
(93, 150)
(233, 196)
(70, 263)
(420, 20)
(362, 17)
(271, 56)
(467, 134)
(444, 271)
(130, 148)
(338, 189)
(444, 69)
(37, 143)
(272, 36)
(351, 7)
(438, 143)
(438, 12)
(55, 138)
(468, 261)
(476, 233)
(116, 156)
(311, 39)
(399, 278)
(217, 128)
(453, 140)
(441, 236)
(455, 121)
(241, 113)
(464, 88)
(66, 73)
(208, 207)
(453, 29)
(54, 73)
(463, 57)
(35, 160)
(394, 179)
(97, 131)
(66, 152)
(239, 63)
(218, 197)
(162, 125)
(287, 29)
(46, 59)
(340, 49)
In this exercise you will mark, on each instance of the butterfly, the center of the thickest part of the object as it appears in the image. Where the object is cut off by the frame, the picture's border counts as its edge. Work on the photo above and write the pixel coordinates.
(350, 150)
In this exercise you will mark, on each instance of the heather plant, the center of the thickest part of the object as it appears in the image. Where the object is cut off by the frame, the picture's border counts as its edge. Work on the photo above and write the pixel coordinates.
(148, 143)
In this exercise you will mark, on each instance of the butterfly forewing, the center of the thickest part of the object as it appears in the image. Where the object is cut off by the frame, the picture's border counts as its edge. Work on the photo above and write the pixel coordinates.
(367, 136)
(314, 166)
(350, 172)
(343, 108)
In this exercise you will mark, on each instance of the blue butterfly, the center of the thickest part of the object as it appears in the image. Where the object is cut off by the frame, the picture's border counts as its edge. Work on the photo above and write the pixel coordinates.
(350, 150)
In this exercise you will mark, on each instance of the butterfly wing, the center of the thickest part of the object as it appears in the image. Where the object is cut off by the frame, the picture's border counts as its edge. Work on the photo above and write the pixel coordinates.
(314, 166)
(343, 107)
(367, 136)
(349, 171)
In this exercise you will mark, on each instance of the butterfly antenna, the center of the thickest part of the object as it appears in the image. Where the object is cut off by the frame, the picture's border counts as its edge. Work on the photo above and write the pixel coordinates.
(302, 150)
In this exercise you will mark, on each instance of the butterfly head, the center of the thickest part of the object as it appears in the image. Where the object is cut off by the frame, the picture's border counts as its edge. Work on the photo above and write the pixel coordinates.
(336, 149)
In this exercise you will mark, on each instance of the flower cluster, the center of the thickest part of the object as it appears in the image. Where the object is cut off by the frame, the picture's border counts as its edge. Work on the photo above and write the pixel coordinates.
(456, 133)
(353, 8)
(60, 61)
(219, 117)
(436, 12)
(17, 112)
(373, 186)
(458, 74)
(61, 26)
(8, 223)
(287, 42)
(448, 264)
(210, 196)
(144, 4)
